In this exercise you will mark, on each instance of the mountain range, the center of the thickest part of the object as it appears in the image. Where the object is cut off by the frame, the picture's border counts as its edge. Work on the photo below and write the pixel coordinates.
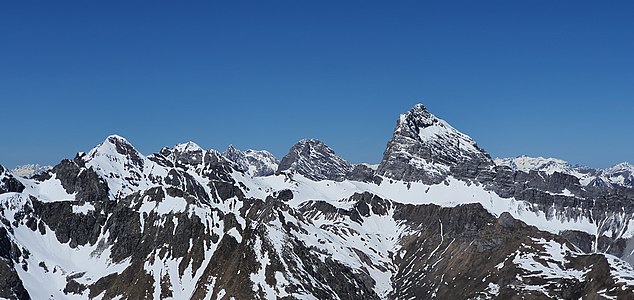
(438, 218)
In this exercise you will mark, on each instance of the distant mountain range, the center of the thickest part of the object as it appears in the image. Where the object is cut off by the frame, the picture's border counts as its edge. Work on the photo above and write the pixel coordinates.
(620, 175)
(438, 218)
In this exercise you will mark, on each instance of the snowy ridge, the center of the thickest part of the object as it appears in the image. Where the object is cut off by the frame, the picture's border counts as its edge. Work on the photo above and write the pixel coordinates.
(526, 164)
(253, 162)
(619, 175)
(29, 170)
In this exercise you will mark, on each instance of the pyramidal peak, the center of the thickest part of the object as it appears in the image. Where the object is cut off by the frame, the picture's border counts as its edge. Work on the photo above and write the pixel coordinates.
(119, 163)
(418, 123)
(315, 160)
(115, 145)
(426, 148)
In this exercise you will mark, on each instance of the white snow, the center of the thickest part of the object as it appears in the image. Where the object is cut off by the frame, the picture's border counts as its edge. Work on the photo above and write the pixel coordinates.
(50, 190)
(29, 170)
(620, 174)
(83, 209)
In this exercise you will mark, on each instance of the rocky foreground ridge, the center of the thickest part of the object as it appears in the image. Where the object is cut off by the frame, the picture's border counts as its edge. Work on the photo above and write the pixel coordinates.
(438, 219)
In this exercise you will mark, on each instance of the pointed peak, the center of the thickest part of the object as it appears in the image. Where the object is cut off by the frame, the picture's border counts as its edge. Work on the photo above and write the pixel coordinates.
(425, 147)
(114, 144)
(188, 147)
(121, 144)
(315, 160)
(310, 141)
(419, 107)
(417, 116)
(231, 150)
(236, 156)
(116, 138)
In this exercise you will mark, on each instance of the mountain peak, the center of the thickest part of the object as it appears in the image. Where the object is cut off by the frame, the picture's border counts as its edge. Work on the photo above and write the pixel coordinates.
(425, 148)
(311, 141)
(115, 145)
(188, 147)
(117, 162)
(315, 160)
(253, 162)
(238, 157)
(114, 138)
(526, 164)
(624, 166)
(29, 170)
(233, 153)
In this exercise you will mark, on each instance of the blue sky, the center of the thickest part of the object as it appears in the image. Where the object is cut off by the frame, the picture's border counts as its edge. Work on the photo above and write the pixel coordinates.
(541, 78)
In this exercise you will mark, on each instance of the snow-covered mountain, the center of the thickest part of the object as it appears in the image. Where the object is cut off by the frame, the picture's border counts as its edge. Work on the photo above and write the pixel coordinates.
(29, 170)
(253, 162)
(620, 175)
(437, 220)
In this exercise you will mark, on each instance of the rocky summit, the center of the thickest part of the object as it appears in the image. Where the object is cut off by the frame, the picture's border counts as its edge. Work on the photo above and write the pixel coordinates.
(438, 219)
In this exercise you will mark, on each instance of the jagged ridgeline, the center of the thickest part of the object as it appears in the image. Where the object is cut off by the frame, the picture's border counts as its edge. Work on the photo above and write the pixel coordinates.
(436, 219)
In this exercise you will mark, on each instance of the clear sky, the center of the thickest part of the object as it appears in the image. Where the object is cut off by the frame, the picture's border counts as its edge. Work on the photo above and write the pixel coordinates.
(540, 78)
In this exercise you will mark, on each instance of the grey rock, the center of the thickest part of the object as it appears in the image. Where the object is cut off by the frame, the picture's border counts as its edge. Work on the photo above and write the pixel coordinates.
(313, 159)
(361, 172)
(255, 163)
(427, 149)
(8, 183)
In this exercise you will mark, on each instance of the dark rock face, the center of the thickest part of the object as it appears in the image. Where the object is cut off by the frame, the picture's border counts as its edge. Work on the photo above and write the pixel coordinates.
(238, 157)
(561, 196)
(8, 183)
(360, 173)
(85, 182)
(11, 286)
(313, 159)
(424, 148)
(464, 252)
(126, 149)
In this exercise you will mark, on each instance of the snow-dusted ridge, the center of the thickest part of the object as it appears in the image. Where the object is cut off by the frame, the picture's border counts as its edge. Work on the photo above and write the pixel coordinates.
(29, 170)
(621, 174)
